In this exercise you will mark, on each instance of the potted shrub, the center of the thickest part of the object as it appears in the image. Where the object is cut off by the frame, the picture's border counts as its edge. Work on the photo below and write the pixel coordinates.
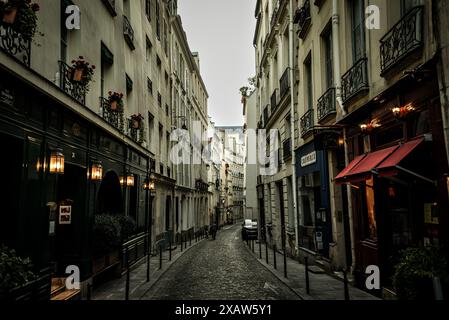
(21, 16)
(115, 101)
(82, 72)
(128, 227)
(136, 121)
(15, 272)
(415, 271)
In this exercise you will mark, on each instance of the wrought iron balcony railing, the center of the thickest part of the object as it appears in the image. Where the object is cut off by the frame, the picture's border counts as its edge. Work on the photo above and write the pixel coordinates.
(404, 38)
(14, 44)
(137, 134)
(287, 148)
(113, 117)
(73, 88)
(307, 123)
(274, 101)
(326, 105)
(128, 32)
(110, 5)
(355, 80)
(284, 84)
(303, 18)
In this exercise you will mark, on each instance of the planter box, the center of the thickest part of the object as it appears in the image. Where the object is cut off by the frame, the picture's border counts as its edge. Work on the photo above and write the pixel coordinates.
(10, 15)
(102, 263)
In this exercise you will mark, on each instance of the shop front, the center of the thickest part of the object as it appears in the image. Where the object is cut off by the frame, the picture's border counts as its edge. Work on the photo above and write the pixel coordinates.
(396, 176)
(315, 227)
(63, 170)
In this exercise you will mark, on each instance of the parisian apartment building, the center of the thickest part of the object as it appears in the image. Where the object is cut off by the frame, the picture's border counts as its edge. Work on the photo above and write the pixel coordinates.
(88, 107)
(362, 129)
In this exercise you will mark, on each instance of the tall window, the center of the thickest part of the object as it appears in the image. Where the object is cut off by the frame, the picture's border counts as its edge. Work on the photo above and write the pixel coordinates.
(107, 59)
(328, 60)
(407, 5)
(158, 20)
(64, 31)
(309, 82)
(149, 46)
(148, 9)
(358, 29)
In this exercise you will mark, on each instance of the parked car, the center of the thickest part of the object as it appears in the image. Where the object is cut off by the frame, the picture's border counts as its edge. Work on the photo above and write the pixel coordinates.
(249, 230)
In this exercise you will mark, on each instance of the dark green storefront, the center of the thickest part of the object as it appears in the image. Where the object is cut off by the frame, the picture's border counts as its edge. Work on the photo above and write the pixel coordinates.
(32, 125)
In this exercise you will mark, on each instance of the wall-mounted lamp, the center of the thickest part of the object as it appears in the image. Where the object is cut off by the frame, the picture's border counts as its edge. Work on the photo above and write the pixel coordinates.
(402, 112)
(128, 180)
(149, 185)
(96, 171)
(57, 162)
(341, 142)
(370, 126)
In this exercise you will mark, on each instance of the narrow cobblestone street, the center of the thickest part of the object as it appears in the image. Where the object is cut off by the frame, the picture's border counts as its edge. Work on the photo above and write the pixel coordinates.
(219, 270)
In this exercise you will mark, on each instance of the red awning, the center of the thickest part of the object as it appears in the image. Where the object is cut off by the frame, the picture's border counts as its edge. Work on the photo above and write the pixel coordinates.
(388, 167)
(362, 170)
(348, 169)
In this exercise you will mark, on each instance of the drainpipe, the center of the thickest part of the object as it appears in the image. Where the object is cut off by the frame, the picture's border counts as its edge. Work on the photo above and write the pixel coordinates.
(336, 53)
(292, 119)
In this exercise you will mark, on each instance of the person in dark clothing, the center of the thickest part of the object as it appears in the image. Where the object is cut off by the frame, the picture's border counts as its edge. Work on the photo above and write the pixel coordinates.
(213, 231)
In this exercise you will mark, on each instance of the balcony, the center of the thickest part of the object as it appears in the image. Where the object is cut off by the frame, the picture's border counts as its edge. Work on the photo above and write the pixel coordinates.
(355, 80)
(303, 19)
(75, 89)
(110, 5)
(285, 84)
(326, 105)
(15, 45)
(128, 32)
(114, 118)
(287, 148)
(274, 14)
(274, 101)
(136, 134)
(402, 40)
(307, 123)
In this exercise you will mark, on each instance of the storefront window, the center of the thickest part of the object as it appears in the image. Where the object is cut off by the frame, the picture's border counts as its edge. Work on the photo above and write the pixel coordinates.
(370, 205)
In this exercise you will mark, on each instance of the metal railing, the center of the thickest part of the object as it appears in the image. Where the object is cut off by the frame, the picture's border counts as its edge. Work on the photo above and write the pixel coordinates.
(266, 115)
(405, 37)
(274, 101)
(326, 105)
(284, 83)
(113, 117)
(75, 89)
(307, 122)
(135, 133)
(128, 32)
(15, 45)
(355, 80)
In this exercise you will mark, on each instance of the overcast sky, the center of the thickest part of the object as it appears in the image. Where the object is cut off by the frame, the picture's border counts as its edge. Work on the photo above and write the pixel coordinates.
(222, 32)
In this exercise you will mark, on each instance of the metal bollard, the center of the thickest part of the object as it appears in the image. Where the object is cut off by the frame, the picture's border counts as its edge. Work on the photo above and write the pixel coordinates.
(285, 263)
(181, 242)
(169, 250)
(160, 257)
(306, 262)
(274, 257)
(148, 264)
(190, 239)
(260, 250)
(252, 246)
(266, 252)
(346, 287)
(127, 274)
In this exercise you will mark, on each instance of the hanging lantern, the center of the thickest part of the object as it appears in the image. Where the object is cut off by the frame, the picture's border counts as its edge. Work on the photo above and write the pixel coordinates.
(96, 171)
(57, 162)
(149, 185)
(402, 112)
(130, 180)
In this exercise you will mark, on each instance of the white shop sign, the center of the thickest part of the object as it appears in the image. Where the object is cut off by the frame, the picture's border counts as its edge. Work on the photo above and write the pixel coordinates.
(308, 159)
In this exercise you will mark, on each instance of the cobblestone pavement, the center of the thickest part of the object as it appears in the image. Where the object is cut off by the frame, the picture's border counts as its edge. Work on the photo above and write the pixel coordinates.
(219, 270)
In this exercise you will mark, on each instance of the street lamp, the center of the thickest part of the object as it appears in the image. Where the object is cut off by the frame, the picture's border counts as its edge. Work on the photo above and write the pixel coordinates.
(57, 162)
(150, 186)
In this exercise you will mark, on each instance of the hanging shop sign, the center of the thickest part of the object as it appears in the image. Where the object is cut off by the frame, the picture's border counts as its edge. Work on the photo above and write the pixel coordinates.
(308, 159)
